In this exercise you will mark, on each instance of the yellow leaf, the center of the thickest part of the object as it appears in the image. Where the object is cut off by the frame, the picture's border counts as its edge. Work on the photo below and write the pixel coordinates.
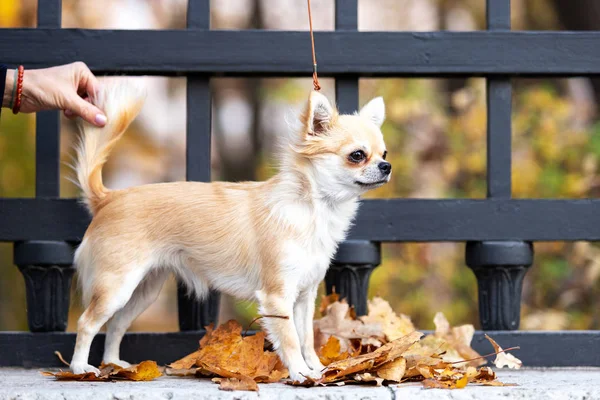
(393, 370)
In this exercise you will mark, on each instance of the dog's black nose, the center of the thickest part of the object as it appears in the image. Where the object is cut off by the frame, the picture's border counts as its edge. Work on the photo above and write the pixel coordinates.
(385, 167)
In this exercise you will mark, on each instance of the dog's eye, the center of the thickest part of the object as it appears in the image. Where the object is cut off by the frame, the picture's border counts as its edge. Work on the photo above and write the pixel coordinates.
(384, 155)
(357, 156)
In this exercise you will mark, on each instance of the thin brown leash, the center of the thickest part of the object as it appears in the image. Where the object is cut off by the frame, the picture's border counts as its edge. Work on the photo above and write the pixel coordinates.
(312, 40)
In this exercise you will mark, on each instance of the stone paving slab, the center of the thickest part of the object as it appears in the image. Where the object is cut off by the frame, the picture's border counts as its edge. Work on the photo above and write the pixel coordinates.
(571, 384)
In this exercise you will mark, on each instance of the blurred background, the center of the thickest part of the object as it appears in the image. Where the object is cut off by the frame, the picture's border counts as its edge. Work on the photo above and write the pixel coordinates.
(435, 133)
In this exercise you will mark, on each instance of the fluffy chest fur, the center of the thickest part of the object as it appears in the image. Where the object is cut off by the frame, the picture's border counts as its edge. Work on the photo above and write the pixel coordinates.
(319, 227)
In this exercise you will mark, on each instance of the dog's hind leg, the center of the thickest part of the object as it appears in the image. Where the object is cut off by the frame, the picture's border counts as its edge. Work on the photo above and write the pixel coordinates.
(110, 293)
(143, 296)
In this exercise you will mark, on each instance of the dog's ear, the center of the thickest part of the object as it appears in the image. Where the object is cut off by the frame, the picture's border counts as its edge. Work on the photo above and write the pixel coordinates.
(374, 111)
(319, 114)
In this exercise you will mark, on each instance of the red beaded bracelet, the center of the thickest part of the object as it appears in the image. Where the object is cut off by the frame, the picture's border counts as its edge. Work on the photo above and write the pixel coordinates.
(19, 83)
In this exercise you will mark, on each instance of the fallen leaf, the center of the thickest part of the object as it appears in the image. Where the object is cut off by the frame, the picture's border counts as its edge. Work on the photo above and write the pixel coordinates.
(330, 351)
(338, 322)
(180, 372)
(442, 326)
(453, 342)
(445, 384)
(70, 376)
(225, 353)
(238, 383)
(496, 383)
(502, 358)
(368, 377)
(363, 363)
(393, 370)
(327, 300)
(186, 362)
(392, 325)
(144, 371)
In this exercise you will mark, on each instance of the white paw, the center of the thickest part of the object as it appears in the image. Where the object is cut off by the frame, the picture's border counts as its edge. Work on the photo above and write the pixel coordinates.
(120, 363)
(81, 368)
(301, 375)
(315, 364)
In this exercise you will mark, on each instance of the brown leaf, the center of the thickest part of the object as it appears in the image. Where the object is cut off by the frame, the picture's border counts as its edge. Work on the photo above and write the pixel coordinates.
(368, 377)
(392, 325)
(330, 351)
(454, 343)
(180, 372)
(504, 359)
(327, 300)
(240, 382)
(495, 383)
(339, 323)
(225, 353)
(186, 362)
(70, 376)
(445, 384)
(365, 362)
(144, 371)
(393, 370)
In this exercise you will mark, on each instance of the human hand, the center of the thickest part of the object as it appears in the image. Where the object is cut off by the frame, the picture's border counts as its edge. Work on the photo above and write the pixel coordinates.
(66, 87)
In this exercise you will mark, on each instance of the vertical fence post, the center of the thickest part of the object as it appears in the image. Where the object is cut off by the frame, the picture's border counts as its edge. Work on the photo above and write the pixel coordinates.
(499, 266)
(46, 265)
(355, 260)
(195, 314)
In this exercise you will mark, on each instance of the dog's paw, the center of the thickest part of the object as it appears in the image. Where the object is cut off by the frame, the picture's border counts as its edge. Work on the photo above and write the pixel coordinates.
(120, 363)
(78, 368)
(315, 364)
(302, 375)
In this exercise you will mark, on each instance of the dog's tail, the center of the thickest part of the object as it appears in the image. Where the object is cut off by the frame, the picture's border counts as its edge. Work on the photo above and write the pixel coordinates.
(121, 101)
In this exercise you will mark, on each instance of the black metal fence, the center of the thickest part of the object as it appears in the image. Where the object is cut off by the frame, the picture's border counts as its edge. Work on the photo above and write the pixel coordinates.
(499, 231)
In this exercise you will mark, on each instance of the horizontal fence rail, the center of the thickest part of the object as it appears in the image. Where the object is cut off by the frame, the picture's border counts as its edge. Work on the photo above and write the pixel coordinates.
(283, 53)
(393, 220)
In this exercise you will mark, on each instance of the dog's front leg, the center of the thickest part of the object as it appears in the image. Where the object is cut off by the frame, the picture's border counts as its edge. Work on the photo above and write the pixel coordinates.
(304, 311)
(282, 333)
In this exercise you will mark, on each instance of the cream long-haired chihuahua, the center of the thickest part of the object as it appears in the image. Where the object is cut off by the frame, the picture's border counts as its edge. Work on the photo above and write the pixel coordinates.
(270, 241)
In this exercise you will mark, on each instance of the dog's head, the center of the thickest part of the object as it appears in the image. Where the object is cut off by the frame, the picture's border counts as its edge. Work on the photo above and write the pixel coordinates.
(346, 153)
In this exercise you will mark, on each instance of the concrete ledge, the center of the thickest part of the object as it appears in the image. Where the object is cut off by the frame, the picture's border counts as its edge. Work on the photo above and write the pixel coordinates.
(572, 384)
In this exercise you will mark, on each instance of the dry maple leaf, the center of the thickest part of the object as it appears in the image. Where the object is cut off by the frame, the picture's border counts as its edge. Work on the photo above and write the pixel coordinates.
(502, 358)
(393, 370)
(367, 377)
(457, 346)
(338, 322)
(144, 371)
(331, 351)
(240, 382)
(70, 376)
(224, 352)
(186, 363)
(363, 363)
(445, 384)
(392, 325)
(327, 300)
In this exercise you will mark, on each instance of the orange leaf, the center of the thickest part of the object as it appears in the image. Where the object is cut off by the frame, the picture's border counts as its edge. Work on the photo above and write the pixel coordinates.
(240, 382)
(144, 371)
(393, 370)
(186, 362)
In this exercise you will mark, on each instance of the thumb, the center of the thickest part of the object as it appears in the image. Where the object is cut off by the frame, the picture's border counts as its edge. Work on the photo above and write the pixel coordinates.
(87, 111)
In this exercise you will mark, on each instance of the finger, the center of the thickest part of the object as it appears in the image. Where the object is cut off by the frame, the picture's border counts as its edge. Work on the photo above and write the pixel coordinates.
(70, 114)
(88, 83)
(87, 111)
